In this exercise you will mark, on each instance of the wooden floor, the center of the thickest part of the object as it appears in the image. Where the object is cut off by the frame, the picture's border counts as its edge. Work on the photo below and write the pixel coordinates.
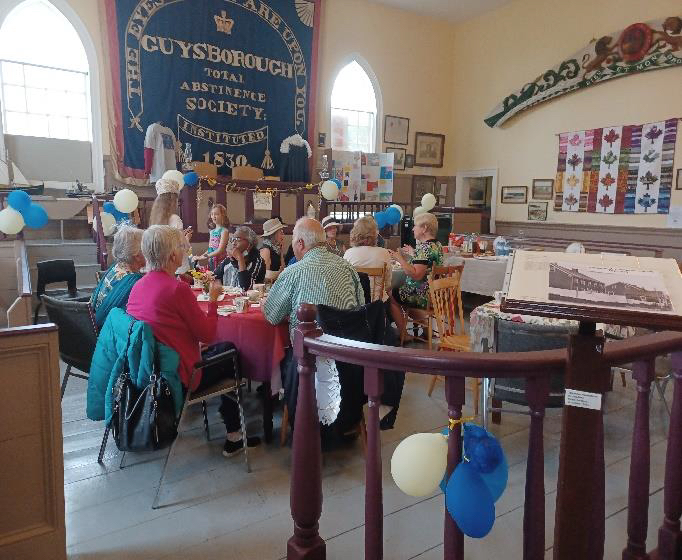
(217, 511)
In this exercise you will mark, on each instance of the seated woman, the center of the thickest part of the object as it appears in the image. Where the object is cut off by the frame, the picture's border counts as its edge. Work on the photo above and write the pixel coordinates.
(365, 254)
(114, 287)
(170, 308)
(427, 253)
(244, 266)
(271, 244)
(331, 230)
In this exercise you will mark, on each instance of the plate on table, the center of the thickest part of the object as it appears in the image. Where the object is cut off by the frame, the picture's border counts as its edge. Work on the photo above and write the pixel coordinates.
(486, 257)
(204, 297)
(226, 310)
(232, 291)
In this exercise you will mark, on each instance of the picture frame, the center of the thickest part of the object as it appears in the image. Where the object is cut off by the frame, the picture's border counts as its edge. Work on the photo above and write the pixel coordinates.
(429, 149)
(396, 130)
(514, 195)
(537, 211)
(543, 189)
(678, 183)
(422, 184)
(321, 139)
(409, 161)
(398, 157)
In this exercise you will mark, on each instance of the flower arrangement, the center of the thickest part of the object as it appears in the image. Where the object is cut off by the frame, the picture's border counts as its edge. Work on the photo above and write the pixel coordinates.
(204, 277)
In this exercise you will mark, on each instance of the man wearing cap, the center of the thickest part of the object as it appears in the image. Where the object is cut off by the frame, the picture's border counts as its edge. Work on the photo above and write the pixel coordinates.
(331, 229)
(272, 241)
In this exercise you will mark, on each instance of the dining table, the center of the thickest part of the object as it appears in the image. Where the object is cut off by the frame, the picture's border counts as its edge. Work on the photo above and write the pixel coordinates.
(261, 346)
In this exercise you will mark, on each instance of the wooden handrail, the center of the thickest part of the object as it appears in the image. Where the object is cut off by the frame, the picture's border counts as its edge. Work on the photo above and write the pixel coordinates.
(577, 533)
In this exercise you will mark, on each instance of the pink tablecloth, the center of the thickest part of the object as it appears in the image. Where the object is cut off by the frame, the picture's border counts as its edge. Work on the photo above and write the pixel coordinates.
(261, 345)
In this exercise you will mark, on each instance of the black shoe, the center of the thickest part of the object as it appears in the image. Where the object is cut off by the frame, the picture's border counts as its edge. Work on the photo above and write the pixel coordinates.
(387, 422)
(233, 447)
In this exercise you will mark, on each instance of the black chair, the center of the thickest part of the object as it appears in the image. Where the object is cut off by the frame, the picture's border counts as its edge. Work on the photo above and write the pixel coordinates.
(77, 334)
(511, 336)
(53, 272)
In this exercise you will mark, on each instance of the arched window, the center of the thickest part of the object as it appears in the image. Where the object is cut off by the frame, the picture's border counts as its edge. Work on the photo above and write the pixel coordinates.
(44, 74)
(353, 110)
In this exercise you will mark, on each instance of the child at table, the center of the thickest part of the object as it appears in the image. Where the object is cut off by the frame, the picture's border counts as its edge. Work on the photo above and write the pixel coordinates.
(217, 245)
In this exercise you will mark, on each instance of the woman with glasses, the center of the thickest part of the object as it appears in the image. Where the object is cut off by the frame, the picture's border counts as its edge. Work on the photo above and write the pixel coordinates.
(243, 266)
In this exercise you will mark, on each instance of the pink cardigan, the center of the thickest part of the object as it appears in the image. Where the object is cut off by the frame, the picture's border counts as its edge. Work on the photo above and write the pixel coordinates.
(170, 308)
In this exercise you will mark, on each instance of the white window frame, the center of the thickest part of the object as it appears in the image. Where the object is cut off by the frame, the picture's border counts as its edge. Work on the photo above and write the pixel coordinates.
(6, 6)
(378, 128)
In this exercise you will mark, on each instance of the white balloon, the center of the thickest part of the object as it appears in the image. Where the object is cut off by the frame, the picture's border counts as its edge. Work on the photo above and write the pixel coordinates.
(399, 208)
(419, 462)
(108, 223)
(11, 221)
(174, 175)
(125, 201)
(428, 201)
(329, 190)
(418, 210)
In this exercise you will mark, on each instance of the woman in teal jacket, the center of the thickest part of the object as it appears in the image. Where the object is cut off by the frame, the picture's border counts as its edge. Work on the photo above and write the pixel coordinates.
(114, 288)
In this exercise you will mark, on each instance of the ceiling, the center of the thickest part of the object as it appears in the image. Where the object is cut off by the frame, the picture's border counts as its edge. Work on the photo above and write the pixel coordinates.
(453, 10)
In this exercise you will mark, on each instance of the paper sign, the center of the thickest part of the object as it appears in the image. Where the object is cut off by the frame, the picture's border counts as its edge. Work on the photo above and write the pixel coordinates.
(675, 217)
(262, 201)
(582, 399)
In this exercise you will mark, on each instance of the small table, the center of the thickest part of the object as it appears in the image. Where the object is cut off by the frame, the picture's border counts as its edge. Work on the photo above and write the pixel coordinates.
(261, 347)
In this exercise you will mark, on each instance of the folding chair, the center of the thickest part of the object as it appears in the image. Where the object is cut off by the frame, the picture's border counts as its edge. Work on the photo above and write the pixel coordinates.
(53, 272)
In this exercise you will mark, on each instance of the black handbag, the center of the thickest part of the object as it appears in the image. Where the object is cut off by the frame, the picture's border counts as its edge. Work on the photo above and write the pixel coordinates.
(143, 419)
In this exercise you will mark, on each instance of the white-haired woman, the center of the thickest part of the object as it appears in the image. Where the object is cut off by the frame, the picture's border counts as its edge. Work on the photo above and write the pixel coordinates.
(244, 266)
(170, 308)
(114, 288)
(364, 252)
(427, 253)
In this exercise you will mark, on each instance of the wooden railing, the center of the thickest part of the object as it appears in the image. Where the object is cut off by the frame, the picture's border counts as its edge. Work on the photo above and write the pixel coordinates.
(19, 314)
(580, 512)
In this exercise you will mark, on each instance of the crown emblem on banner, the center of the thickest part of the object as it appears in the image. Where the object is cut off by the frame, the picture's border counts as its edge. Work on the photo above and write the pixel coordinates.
(223, 23)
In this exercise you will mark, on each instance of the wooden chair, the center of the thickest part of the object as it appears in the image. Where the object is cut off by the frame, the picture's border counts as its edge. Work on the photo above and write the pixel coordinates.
(247, 172)
(424, 317)
(377, 280)
(446, 299)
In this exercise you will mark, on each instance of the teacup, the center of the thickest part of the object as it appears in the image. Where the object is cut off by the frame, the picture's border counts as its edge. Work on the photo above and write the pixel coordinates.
(241, 304)
(260, 288)
(253, 295)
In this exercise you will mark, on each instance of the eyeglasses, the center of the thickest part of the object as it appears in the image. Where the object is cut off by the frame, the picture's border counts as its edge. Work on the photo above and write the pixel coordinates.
(235, 239)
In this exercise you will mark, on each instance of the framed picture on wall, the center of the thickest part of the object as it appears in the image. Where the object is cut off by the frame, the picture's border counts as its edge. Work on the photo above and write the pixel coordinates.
(678, 184)
(422, 184)
(396, 130)
(543, 189)
(537, 211)
(429, 149)
(409, 161)
(514, 195)
(398, 157)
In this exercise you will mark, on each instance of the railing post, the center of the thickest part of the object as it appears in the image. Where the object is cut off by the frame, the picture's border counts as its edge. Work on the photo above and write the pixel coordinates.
(669, 535)
(102, 254)
(579, 525)
(306, 462)
(453, 544)
(374, 509)
(640, 459)
(537, 391)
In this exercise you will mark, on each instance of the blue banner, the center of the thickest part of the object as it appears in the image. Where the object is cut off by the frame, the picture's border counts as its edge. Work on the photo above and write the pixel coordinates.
(233, 78)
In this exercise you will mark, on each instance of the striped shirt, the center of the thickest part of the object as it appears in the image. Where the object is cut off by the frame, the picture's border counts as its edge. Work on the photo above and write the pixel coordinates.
(319, 278)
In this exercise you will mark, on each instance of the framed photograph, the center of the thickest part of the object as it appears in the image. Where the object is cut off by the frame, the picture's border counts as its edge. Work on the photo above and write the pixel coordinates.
(678, 184)
(429, 149)
(396, 130)
(514, 195)
(422, 184)
(321, 139)
(537, 211)
(543, 189)
(398, 157)
(409, 161)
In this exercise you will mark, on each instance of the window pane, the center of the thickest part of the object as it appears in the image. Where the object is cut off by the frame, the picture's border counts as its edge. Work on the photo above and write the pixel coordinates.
(16, 123)
(59, 127)
(36, 125)
(75, 105)
(37, 76)
(57, 103)
(78, 129)
(15, 99)
(36, 100)
(12, 73)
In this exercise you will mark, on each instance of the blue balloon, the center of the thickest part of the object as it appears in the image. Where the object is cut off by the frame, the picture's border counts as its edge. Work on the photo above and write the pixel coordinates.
(469, 502)
(380, 218)
(120, 216)
(485, 454)
(109, 207)
(35, 217)
(19, 200)
(337, 182)
(392, 216)
(191, 178)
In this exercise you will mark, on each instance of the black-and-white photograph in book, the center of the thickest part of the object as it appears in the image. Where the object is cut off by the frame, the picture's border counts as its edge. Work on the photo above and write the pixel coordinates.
(618, 288)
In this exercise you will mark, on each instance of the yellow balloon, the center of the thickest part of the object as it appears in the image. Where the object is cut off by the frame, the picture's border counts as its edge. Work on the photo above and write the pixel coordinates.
(419, 462)
(11, 221)
(418, 210)
(329, 190)
(108, 223)
(125, 201)
(428, 202)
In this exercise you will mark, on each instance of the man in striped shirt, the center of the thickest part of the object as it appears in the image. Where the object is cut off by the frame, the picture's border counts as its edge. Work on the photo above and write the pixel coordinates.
(317, 277)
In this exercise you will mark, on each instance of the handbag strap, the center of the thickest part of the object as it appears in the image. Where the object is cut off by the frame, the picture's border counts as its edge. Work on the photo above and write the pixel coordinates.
(118, 386)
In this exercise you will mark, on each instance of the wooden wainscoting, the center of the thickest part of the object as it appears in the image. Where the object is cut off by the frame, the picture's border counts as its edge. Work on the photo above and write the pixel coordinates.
(31, 456)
